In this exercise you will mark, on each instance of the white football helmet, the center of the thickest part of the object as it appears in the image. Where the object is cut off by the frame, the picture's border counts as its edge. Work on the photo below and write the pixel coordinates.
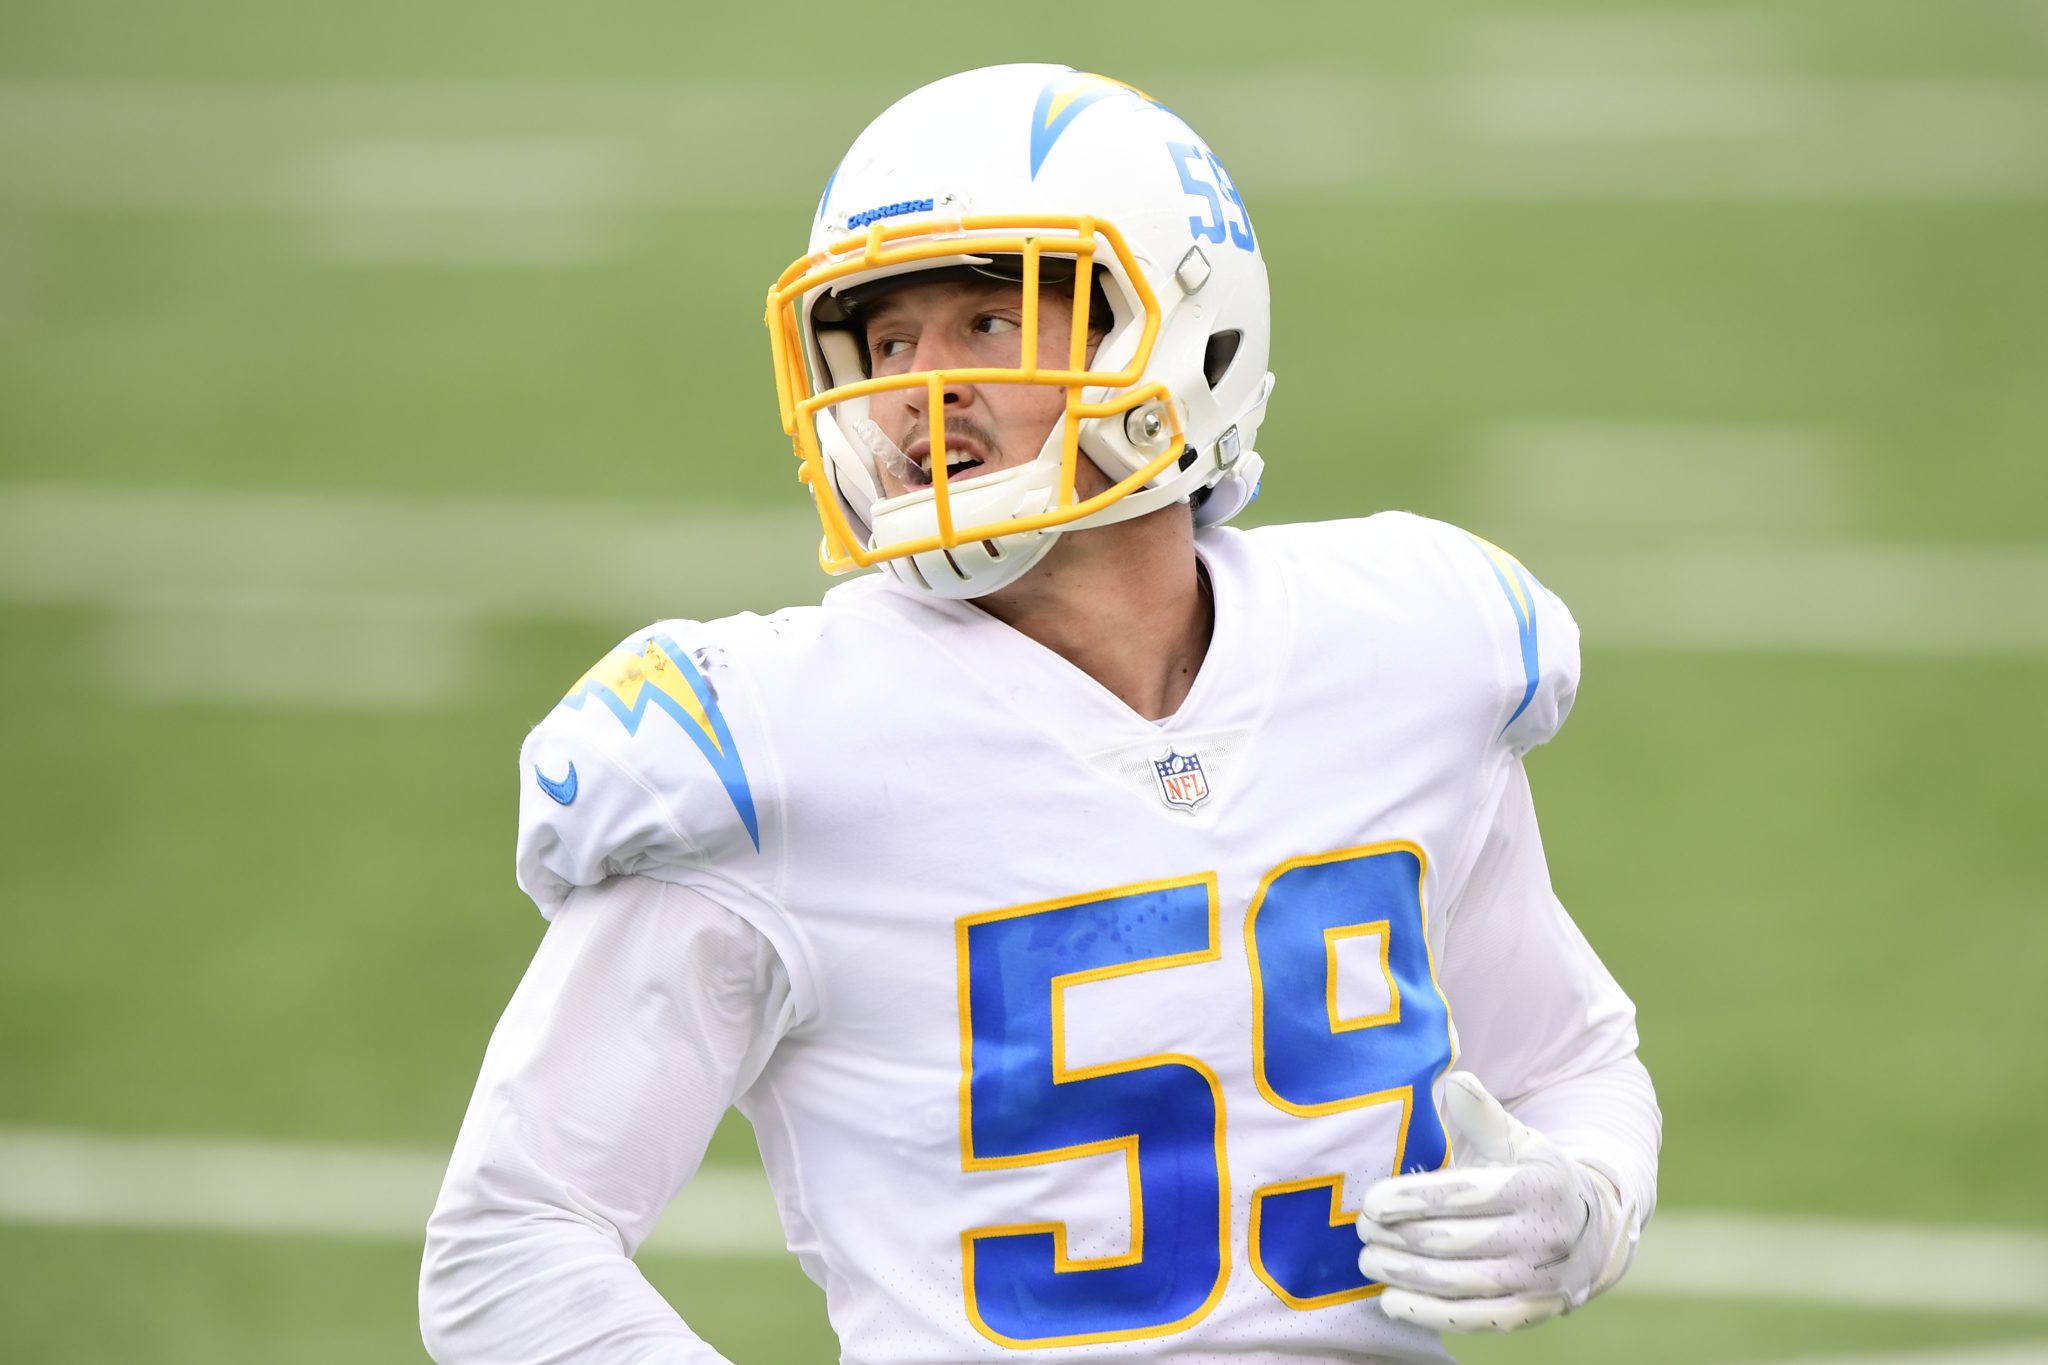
(1039, 174)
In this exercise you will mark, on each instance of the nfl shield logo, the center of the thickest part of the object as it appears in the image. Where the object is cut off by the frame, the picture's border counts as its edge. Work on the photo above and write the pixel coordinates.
(1181, 783)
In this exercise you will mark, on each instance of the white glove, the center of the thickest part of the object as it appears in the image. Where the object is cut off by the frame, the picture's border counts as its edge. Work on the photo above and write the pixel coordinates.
(1514, 1233)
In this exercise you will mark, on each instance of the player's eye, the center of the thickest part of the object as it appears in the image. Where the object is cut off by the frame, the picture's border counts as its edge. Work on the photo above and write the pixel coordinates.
(889, 348)
(990, 324)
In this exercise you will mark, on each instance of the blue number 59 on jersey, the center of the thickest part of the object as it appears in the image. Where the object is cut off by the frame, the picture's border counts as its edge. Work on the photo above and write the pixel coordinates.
(1310, 1059)
(1022, 1105)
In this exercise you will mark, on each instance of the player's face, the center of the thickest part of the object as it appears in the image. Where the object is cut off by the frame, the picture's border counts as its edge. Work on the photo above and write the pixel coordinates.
(960, 324)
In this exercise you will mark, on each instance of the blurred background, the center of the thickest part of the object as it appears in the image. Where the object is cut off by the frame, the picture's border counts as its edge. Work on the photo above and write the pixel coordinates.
(367, 370)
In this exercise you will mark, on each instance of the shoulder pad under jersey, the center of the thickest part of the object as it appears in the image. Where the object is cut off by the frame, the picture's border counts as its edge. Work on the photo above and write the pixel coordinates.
(637, 770)
(1533, 642)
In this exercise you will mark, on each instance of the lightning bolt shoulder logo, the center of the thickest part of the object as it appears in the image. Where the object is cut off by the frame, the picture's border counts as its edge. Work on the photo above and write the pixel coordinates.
(1520, 587)
(563, 791)
(661, 676)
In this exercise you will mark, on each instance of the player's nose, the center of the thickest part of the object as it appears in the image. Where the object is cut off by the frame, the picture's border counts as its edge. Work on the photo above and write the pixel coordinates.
(934, 353)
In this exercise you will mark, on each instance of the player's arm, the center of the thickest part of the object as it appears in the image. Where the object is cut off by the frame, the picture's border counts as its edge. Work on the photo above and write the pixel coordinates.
(1552, 1182)
(646, 1009)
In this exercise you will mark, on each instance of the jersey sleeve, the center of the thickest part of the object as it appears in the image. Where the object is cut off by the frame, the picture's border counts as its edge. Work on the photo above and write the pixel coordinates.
(1540, 1019)
(646, 1011)
(1542, 672)
(1529, 648)
(653, 765)
(636, 770)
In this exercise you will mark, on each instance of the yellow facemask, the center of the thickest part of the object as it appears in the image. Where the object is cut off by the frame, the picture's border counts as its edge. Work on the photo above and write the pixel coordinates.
(804, 384)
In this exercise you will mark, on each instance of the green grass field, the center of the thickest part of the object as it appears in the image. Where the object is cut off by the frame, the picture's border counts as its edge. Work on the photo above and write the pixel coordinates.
(488, 256)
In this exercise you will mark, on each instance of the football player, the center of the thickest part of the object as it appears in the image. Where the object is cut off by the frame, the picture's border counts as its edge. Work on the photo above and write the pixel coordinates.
(1129, 937)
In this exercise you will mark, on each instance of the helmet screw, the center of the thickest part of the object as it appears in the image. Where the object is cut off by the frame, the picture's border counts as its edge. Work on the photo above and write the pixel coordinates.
(1146, 428)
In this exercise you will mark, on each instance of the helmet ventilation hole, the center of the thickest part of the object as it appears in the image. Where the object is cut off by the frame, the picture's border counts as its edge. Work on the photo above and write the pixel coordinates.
(1217, 355)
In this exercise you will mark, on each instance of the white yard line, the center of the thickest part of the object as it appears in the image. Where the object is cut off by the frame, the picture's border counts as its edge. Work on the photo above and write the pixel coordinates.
(470, 239)
(54, 1178)
(1592, 43)
(1926, 1267)
(1873, 601)
(369, 602)
(239, 597)
(337, 153)
(229, 654)
(494, 174)
(51, 1178)
(1611, 481)
(471, 201)
(360, 555)
(2032, 1352)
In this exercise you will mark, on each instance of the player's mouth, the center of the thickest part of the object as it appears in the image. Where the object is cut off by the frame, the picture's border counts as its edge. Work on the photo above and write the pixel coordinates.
(963, 459)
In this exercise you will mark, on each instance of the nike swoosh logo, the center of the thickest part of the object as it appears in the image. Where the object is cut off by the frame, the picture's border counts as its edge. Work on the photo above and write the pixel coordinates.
(563, 791)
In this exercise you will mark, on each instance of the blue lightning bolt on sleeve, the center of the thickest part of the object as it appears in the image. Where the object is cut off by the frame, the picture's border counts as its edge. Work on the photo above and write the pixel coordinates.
(1545, 645)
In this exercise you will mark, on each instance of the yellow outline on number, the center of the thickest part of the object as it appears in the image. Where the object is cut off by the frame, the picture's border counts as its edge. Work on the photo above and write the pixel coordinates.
(1403, 1095)
(1062, 1262)
(1338, 1219)
(1392, 1013)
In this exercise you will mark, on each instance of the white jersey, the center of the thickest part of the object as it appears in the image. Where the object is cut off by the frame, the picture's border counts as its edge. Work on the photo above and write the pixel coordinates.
(1099, 1025)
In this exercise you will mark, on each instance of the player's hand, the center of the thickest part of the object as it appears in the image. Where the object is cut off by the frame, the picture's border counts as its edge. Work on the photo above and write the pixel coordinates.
(1515, 1233)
